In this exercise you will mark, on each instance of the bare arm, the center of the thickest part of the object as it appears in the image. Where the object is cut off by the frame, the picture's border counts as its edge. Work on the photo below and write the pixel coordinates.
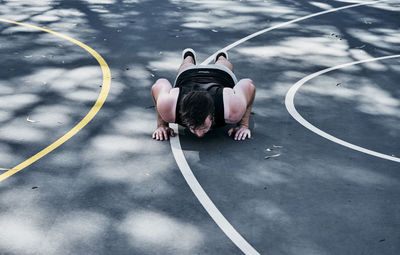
(248, 90)
(238, 103)
(165, 103)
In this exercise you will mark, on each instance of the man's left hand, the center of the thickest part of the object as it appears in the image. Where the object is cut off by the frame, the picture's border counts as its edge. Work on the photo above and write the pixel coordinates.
(240, 132)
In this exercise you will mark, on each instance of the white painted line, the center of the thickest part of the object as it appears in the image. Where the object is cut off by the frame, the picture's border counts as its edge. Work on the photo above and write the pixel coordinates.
(180, 159)
(211, 58)
(202, 196)
(289, 102)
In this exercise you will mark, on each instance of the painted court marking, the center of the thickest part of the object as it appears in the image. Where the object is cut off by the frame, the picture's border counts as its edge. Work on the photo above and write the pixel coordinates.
(89, 116)
(184, 167)
(289, 102)
(211, 58)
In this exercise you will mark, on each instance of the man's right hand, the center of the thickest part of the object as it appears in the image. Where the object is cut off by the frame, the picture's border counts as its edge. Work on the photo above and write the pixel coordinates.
(163, 133)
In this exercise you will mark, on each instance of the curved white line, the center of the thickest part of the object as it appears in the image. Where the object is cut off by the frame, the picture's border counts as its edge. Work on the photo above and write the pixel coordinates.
(289, 102)
(211, 58)
(187, 173)
(202, 196)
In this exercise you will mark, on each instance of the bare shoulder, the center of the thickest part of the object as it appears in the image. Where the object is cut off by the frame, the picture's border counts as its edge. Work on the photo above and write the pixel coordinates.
(228, 91)
(166, 105)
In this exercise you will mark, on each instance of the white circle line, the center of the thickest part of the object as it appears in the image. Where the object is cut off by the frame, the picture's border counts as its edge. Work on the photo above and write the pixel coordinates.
(204, 199)
(211, 58)
(289, 102)
(184, 167)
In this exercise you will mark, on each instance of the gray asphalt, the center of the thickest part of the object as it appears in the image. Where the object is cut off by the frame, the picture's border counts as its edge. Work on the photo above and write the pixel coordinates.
(111, 189)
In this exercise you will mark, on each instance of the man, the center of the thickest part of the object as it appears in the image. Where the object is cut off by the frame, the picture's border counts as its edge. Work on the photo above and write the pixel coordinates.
(203, 97)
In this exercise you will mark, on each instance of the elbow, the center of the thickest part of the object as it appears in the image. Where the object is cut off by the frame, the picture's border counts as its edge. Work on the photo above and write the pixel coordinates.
(159, 84)
(248, 86)
(233, 119)
(247, 81)
(236, 113)
(251, 92)
(251, 87)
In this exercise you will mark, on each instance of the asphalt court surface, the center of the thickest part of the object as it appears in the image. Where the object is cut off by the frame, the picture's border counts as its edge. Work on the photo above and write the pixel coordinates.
(111, 189)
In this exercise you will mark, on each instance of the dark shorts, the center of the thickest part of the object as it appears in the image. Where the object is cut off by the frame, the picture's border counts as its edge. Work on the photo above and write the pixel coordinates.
(207, 74)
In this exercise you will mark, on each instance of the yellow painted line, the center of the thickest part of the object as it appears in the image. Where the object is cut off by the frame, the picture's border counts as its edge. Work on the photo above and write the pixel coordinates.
(89, 116)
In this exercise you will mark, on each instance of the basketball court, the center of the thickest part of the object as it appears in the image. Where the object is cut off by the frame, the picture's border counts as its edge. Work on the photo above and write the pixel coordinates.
(80, 173)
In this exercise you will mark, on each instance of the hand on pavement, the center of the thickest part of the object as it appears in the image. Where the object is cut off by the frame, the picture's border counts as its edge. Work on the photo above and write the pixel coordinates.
(240, 132)
(163, 133)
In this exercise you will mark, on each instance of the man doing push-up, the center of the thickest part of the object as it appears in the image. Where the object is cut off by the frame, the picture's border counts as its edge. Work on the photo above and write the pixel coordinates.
(203, 97)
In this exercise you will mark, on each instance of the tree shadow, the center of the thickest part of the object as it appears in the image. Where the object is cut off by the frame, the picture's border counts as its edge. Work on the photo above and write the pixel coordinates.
(112, 189)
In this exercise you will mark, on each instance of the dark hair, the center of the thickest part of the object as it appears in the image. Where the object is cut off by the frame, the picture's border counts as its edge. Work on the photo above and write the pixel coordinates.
(196, 106)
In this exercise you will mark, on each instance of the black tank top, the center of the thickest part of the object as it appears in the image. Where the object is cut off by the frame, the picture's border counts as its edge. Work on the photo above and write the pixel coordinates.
(211, 80)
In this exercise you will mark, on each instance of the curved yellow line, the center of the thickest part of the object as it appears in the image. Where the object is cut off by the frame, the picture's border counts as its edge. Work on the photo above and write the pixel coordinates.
(89, 116)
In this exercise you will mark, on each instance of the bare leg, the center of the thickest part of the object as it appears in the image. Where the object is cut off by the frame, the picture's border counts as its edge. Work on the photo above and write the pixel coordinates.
(188, 61)
(224, 62)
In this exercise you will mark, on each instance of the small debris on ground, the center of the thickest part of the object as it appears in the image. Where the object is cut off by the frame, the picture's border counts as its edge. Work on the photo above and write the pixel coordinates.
(214, 30)
(367, 22)
(360, 47)
(4, 169)
(29, 56)
(32, 121)
(150, 106)
(35, 187)
(269, 149)
(338, 84)
(382, 240)
(336, 36)
(272, 156)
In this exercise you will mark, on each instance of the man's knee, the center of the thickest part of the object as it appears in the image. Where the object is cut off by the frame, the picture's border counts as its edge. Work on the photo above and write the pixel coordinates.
(225, 62)
(184, 66)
